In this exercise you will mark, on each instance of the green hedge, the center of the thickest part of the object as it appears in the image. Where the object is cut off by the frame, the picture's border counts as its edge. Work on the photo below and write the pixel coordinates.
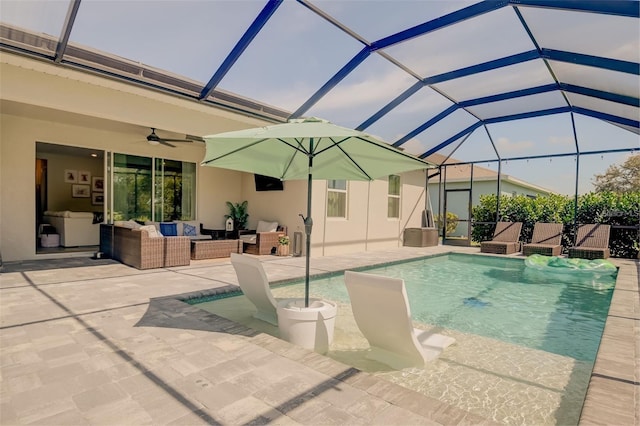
(602, 207)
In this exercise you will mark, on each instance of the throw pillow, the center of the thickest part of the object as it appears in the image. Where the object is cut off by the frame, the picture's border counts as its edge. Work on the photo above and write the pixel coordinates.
(188, 230)
(169, 229)
(182, 223)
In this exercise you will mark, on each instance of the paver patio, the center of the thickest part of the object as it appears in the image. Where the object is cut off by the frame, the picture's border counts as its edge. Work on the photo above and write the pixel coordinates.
(96, 342)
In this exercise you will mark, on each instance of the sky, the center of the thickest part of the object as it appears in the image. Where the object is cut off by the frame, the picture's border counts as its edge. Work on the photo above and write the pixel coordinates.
(296, 52)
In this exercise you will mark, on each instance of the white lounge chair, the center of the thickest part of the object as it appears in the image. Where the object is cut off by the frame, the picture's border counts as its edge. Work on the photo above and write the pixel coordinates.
(254, 284)
(381, 310)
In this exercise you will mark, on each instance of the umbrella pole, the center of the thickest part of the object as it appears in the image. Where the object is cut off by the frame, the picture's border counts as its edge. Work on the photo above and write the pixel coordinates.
(308, 224)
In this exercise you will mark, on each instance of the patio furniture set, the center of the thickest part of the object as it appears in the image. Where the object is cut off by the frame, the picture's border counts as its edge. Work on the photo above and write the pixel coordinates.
(146, 246)
(592, 240)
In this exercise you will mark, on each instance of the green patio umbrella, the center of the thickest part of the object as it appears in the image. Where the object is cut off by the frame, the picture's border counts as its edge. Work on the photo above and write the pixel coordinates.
(309, 148)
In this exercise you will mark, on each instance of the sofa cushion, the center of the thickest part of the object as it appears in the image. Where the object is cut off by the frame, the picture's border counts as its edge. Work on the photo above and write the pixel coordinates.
(267, 226)
(84, 215)
(70, 214)
(169, 229)
(248, 238)
(151, 230)
(131, 224)
(156, 224)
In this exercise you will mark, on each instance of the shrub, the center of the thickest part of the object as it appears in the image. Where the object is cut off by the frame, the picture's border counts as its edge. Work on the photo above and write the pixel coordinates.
(617, 210)
(452, 222)
(605, 207)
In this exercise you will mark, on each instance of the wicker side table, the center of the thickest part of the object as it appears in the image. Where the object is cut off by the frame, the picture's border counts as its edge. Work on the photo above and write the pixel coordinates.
(211, 249)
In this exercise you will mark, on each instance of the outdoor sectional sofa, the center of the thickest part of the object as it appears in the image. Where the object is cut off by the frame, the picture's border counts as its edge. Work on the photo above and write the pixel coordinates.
(142, 249)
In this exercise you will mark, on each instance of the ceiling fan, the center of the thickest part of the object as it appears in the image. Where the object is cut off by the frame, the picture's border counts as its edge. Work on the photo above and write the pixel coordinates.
(154, 139)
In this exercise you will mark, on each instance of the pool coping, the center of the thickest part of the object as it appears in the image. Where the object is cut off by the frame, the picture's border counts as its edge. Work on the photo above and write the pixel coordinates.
(613, 394)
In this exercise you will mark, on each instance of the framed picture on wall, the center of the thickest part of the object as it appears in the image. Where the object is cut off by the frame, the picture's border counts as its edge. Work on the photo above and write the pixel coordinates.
(97, 184)
(97, 198)
(84, 177)
(80, 191)
(70, 176)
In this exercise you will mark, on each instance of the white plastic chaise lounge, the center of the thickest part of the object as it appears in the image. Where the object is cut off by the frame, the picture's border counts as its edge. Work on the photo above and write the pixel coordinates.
(381, 311)
(254, 284)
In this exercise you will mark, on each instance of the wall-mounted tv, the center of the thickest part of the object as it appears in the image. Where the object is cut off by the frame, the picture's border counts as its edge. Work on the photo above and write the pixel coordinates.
(268, 183)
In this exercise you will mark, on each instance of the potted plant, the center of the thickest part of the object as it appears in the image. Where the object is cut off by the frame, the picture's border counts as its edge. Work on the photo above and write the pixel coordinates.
(238, 213)
(283, 245)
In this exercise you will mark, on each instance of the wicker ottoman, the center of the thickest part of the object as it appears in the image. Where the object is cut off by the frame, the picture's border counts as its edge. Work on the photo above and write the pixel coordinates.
(420, 237)
(211, 249)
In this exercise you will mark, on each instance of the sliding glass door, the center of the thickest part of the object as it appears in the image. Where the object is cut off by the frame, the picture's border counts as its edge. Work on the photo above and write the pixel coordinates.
(175, 190)
(158, 189)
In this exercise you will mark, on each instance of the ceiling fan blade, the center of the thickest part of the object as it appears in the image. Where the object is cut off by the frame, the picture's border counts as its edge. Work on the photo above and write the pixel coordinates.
(153, 138)
(194, 138)
(175, 140)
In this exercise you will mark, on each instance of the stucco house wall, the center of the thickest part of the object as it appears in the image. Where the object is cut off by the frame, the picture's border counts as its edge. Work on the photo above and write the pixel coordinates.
(41, 102)
(366, 226)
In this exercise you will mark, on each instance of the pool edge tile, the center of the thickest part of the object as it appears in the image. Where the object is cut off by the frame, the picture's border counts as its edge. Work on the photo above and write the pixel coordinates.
(616, 373)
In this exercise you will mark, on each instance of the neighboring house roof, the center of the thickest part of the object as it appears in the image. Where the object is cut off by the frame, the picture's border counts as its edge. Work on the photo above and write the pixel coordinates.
(462, 173)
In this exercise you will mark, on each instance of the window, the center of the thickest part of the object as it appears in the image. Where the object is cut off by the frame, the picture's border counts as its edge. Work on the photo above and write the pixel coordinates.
(142, 182)
(393, 203)
(337, 198)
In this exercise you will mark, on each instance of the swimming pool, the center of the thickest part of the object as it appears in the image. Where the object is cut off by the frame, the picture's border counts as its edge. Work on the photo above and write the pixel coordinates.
(500, 298)
(526, 340)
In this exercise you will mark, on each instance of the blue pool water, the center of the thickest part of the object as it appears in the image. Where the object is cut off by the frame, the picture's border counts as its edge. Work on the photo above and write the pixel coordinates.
(500, 298)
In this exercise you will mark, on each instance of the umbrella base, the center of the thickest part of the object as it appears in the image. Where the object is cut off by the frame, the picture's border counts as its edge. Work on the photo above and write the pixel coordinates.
(311, 327)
